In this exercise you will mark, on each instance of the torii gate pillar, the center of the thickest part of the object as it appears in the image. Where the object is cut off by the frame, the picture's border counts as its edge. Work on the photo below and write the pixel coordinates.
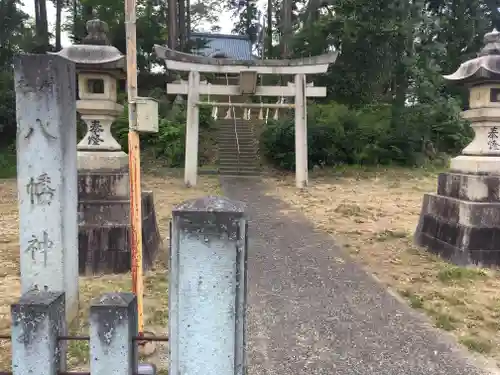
(301, 169)
(192, 130)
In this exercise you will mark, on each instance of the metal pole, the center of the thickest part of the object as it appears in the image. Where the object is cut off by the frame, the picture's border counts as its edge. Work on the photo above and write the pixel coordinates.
(134, 155)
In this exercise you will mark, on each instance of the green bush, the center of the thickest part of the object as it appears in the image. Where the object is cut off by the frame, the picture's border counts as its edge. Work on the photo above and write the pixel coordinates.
(7, 108)
(8, 165)
(338, 135)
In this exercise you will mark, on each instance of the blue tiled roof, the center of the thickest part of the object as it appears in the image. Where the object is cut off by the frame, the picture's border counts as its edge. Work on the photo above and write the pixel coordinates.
(236, 47)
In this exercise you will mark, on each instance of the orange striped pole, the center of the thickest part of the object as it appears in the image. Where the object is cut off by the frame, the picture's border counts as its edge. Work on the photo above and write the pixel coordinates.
(134, 155)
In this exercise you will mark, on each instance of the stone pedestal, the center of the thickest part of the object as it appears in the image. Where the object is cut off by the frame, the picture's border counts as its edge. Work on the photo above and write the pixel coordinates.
(104, 215)
(461, 222)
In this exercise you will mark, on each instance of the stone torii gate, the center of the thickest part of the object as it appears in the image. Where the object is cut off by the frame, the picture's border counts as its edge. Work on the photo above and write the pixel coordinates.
(248, 71)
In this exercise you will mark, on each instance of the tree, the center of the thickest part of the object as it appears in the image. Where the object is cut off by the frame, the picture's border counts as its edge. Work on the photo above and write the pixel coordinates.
(204, 11)
(188, 20)
(17, 34)
(173, 32)
(42, 26)
(182, 24)
(13, 30)
(59, 7)
(269, 28)
(247, 15)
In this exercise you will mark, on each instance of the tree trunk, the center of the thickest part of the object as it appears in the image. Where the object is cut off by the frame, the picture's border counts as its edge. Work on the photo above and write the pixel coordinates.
(286, 38)
(45, 23)
(188, 20)
(172, 24)
(37, 16)
(312, 12)
(38, 26)
(182, 25)
(403, 50)
(75, 17)
(41, 27)
(58, 24)
(269, 40)
(248, 20)
(287, 28)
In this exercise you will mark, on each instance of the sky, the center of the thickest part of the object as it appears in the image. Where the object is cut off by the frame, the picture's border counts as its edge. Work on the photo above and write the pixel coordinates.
(226, 23)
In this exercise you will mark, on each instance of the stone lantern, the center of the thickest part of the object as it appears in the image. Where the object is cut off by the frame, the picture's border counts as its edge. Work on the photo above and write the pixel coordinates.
(103, 174)
(462, 221)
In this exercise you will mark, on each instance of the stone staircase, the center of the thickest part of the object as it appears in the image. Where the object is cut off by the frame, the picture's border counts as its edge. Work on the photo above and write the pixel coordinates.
(244, 163)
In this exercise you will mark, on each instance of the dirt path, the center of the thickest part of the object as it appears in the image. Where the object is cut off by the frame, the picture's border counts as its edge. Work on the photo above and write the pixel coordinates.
(312, 310)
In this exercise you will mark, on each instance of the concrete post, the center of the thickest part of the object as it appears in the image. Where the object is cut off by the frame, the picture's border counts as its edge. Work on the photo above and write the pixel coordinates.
(113, 325)
(38, 319)
(192, 129)
(300, 132)
(47, 175)
(207, 292)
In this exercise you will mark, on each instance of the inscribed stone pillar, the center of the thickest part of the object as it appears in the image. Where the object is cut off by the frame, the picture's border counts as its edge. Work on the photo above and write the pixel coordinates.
(461, 222)
(207, 291)
(47, 176)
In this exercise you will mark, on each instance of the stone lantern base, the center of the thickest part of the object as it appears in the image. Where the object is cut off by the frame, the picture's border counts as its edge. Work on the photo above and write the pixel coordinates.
(104, 215)
(461, 222)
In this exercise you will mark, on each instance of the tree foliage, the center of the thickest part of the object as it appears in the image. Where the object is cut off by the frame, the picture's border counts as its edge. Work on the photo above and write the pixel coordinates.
(393, 54)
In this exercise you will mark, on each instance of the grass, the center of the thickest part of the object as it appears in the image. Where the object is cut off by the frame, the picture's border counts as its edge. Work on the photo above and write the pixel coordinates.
(373, 213)
(169, 190)
(476, 344)
(443, 320)
(449, 274)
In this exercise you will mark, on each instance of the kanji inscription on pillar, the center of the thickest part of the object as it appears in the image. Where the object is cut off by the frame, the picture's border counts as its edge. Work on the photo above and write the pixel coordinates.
(493, 139)
(41, 200)
(95, 131)
(43, 127)
(39, 245)
(40, 189)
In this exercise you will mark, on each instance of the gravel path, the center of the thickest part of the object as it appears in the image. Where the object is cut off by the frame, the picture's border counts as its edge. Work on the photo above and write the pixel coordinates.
(312, 310)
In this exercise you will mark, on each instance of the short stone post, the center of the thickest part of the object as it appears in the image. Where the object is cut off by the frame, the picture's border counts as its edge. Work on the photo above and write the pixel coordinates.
(113, 325)
(47, 175)
(192, 129)
(38, 319)
(207, 296)
(301, 171)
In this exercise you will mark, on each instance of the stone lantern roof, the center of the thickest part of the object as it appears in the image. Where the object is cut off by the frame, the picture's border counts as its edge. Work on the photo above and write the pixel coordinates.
(485, 67)
(96, 54)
